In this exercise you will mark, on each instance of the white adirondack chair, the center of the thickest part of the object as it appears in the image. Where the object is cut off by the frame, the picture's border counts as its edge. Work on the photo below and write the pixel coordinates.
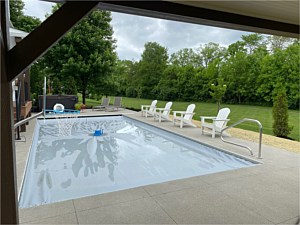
(149, 109)
(219, 122)
(185, 117)
(163, 113)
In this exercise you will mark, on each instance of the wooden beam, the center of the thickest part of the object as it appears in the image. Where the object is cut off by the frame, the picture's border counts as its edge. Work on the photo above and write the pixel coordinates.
(34, 45)
(203, 16)
(9, 201)
(4, 24)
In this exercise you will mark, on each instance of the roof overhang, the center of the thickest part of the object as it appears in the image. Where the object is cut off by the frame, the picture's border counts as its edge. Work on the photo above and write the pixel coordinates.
(270, 17)
(17, 33)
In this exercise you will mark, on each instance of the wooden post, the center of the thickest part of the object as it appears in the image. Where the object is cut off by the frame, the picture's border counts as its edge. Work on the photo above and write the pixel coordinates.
(9, 204)
(13, 63)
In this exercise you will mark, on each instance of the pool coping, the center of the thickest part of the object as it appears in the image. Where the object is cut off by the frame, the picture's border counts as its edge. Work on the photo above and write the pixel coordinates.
(256, 162)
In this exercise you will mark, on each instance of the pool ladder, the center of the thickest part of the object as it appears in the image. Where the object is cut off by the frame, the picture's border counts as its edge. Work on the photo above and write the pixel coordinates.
(244, 146)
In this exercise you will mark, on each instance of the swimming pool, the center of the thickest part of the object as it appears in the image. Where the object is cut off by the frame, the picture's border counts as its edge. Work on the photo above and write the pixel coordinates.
(129, 154)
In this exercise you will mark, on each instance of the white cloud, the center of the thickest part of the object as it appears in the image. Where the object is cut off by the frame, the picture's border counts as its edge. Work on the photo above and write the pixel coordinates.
(37, 8)
(132, 32)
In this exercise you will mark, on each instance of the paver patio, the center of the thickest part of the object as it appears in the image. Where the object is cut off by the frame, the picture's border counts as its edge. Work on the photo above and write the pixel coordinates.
(264, 194)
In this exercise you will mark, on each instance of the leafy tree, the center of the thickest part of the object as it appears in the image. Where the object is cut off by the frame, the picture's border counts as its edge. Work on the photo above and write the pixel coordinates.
(119, 76)
(278, 42)
(151, 67)
(132, 78)
(185, 57)
(283, 65)
(198, 88)
(19, 20)
(234, 71)
(236, 47)
(292, 71)
(86, 54)
(210, 52)
(125, 77)
(253, 41)
(28, 23)
(37, 73)
(280, 113)
(16, 10)
(168, 84)
(201, 81)
(187, 87)
(56, 86)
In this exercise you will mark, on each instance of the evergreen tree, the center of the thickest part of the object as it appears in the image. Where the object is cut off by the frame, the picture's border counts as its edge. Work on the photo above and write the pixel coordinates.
(280, 113)
(218, 91)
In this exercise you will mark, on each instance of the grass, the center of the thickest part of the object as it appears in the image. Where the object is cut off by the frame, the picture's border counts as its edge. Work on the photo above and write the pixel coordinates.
(238, 112)
(89, 102)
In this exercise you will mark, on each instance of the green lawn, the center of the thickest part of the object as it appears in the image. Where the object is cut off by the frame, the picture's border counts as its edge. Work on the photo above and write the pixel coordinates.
(89, 102)
(238, 112)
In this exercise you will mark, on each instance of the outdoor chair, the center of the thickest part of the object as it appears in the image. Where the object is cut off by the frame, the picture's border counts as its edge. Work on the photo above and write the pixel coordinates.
(185, 117)
(117, 104)
(104, 105)
(219, 122)
(163, 113)
(149, 109)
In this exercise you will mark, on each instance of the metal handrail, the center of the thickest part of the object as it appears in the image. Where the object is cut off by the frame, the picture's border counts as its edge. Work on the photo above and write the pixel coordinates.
(19, 123)
(28, 119)
(244, 146)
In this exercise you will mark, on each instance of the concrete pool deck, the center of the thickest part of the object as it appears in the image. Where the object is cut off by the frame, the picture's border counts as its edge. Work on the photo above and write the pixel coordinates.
(263, 194)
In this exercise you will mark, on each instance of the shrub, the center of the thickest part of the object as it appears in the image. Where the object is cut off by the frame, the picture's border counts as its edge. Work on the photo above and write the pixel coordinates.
(280, 115)
(77, 106)
(218, 92)
(131, 92)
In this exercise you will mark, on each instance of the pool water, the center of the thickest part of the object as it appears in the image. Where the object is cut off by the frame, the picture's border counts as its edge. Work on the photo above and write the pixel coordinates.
(129, 154)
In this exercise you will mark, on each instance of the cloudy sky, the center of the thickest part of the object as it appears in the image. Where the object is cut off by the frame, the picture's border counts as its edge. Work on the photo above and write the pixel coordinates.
(132, 32)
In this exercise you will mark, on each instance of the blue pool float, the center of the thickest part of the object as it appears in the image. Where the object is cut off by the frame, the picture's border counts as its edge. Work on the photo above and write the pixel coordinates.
(98, 132)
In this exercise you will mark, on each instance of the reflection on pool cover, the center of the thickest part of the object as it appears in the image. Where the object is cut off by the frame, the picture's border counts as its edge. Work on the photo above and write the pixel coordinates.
(129, 154)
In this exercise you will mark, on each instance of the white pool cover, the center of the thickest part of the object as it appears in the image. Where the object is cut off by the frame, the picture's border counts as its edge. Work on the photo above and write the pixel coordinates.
(129, 154)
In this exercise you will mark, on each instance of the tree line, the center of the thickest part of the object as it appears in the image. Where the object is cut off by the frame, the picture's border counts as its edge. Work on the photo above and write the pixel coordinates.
(85, 61)
(250, 69)
(254, 70)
